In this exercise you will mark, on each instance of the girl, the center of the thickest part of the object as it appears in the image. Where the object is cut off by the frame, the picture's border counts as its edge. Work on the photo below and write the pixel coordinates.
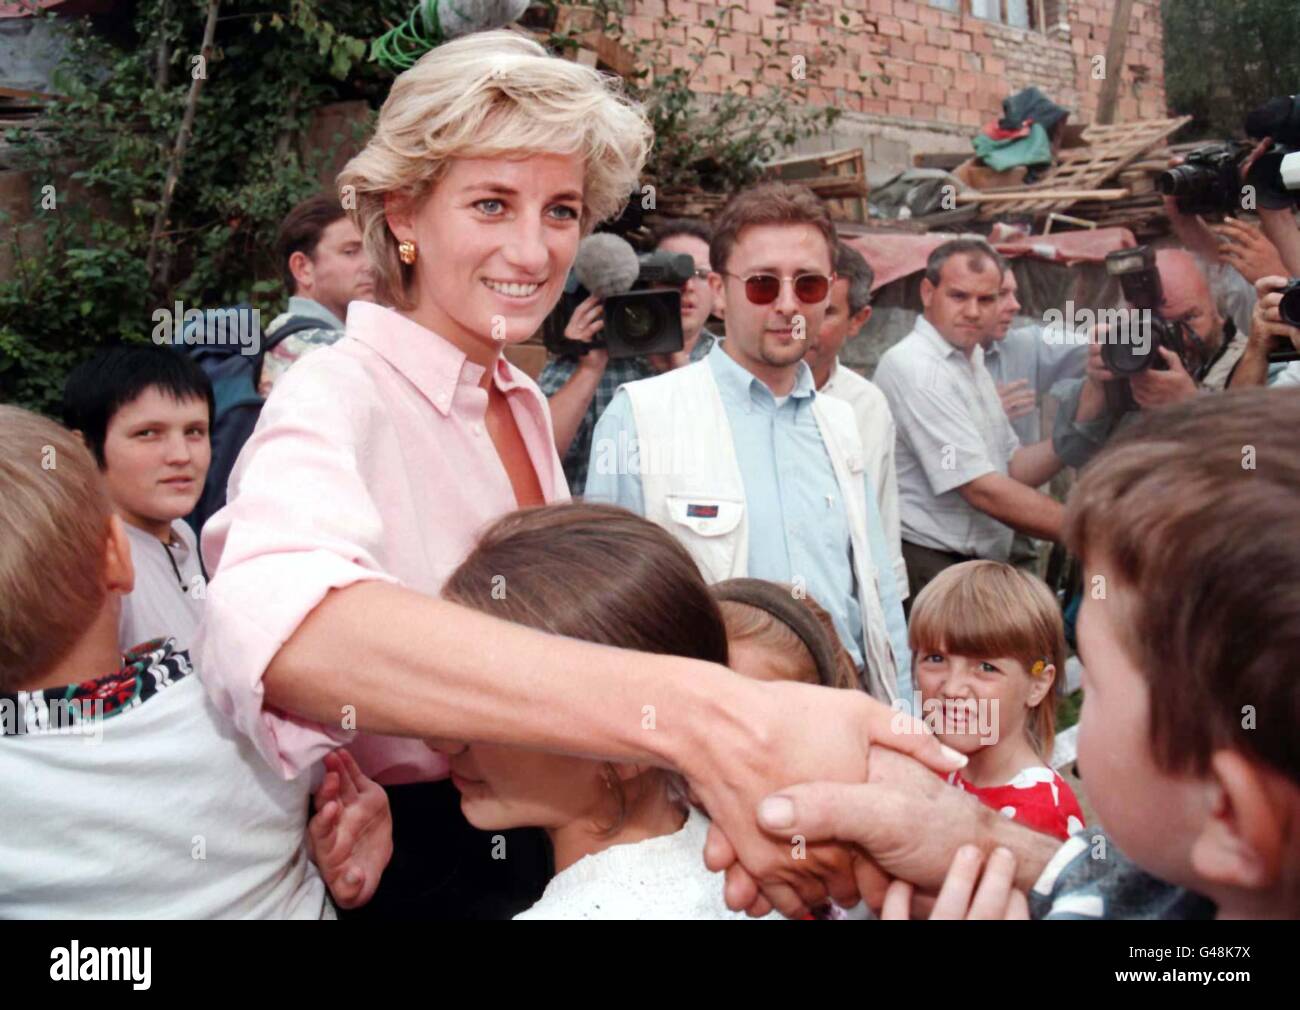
(626, 844)
(773, 634)
(987, 641)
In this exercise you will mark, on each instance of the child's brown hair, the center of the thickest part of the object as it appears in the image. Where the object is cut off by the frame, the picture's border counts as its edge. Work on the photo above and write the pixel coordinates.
(53, 531)
(598, 573)
(989, 608)
(1194, 513)
(796, 633)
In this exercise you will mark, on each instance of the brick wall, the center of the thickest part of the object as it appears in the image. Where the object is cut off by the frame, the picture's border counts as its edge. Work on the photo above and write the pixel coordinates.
(936, 77)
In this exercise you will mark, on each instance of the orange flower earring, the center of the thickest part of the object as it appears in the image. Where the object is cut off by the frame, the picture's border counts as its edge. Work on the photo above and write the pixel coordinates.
(406, 251)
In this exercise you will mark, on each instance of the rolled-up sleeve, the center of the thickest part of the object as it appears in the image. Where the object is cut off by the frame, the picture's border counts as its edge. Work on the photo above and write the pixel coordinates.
(299, 523)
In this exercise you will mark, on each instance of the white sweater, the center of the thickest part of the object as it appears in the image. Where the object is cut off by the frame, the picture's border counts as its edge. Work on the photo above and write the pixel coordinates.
(659, 878)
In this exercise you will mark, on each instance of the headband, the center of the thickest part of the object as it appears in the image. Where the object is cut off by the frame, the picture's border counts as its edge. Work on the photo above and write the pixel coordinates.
(775, 599)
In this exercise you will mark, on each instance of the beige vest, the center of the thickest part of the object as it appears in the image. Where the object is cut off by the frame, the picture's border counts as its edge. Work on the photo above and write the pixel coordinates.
(693, 488)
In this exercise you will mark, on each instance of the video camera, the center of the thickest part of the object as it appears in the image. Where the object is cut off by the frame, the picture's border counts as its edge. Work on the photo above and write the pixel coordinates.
(1209, 180)
(642, 295)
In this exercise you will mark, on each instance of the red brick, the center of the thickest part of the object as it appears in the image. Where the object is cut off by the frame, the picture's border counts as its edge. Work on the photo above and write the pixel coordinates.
(881, 6)
(948, 58)
(941, 76)
(929, 55)
(897, 107)
(734, 44)
(970, 117)
(922, 111)
(928, 16)
(746, 65)
(743, 21)
(912, 31)
(981, 43)
(966, 82)
(921, 73)
(906, 10)
(683, 9)
(874, 106)
(934, 93)
(889, 26)
(901, 50)
(948, 114)
(961, 40)
(909, 90)
(995, 65)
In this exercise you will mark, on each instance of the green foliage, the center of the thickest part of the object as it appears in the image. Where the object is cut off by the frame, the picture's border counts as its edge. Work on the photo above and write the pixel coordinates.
(1254, 49)
(79, 279)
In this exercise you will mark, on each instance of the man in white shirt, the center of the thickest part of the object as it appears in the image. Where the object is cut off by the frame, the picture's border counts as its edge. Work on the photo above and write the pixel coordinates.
(964, 480)
(1026, 361)
(846, 314)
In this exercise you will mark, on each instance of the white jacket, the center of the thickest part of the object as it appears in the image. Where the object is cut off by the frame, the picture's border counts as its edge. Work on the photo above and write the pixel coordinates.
(693, 488)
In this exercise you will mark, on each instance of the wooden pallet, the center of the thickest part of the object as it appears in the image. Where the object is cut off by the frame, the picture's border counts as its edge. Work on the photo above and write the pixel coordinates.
(1110, 150)
(838, 177)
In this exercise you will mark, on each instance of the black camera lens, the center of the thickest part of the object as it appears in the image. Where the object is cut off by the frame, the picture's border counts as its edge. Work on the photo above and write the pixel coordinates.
(638, 321)
(1126, 358)
(1289, 307)
(1175, 181)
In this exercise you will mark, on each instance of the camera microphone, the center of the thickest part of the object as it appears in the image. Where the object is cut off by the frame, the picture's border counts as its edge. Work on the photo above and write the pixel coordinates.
(606, 265)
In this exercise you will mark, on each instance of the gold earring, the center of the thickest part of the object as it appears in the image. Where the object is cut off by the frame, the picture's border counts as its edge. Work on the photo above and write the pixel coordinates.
(406, 251)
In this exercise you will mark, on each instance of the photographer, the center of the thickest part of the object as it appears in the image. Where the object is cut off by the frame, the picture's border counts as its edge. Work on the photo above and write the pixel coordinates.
(1268, 335)
(580, 387)
(1087, 418)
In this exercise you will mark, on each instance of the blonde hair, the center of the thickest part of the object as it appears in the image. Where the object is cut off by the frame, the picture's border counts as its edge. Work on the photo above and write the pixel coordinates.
(53, 528)
(785, 649)
(486, 95)
(988, 608)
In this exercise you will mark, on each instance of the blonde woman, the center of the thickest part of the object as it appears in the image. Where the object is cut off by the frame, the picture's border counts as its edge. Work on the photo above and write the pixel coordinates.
(378, 459)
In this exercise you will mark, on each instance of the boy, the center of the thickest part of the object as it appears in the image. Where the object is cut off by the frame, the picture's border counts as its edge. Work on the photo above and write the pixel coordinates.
(145, 412)
(1188, 526)
(125, 792)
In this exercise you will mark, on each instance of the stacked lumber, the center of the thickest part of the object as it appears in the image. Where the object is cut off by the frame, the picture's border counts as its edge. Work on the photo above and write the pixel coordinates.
(1109, 179)
(838, 177)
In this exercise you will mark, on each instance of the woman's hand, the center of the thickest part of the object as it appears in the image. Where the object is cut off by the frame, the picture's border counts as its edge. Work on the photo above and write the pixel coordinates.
(995, 897)
(801, 733)
(350, 838)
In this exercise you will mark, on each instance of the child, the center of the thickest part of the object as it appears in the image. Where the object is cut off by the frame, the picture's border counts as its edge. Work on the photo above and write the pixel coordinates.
(161, 809)
(772, 634)
(626, 844)
(145, 413)
(987, 641)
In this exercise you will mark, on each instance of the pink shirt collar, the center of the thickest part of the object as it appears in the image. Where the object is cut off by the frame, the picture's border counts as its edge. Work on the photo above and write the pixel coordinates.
(433, 364)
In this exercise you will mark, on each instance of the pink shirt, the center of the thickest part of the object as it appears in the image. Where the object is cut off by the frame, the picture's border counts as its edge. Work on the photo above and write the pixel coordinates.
(371, 460)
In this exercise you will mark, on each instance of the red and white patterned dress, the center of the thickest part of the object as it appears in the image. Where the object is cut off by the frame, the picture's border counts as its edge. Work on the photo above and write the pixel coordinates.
(1037, 796)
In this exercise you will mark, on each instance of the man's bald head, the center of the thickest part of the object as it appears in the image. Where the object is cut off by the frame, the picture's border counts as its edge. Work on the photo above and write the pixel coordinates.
(1187, 296)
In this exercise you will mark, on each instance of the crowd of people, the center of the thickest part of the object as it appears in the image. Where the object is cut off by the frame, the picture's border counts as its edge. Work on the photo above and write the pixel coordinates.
(726, 632)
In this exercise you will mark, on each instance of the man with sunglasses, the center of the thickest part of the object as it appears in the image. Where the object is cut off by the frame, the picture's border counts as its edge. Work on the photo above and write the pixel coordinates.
(579, 388)
(743, 461)
(965, 483)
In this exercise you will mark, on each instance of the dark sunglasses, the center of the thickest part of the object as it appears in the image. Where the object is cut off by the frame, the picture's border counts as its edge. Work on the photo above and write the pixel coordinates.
(764, 289)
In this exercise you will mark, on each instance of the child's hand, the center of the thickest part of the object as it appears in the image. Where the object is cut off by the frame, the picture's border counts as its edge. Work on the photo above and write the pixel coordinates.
(350, 838)
(995, 898)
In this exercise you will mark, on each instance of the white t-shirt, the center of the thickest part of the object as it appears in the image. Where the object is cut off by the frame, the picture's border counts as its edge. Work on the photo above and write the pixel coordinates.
(659, 878)
(170, 813)
(167, 601)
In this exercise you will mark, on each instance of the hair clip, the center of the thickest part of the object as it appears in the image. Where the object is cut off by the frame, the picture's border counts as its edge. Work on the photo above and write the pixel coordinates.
(1038, 667)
